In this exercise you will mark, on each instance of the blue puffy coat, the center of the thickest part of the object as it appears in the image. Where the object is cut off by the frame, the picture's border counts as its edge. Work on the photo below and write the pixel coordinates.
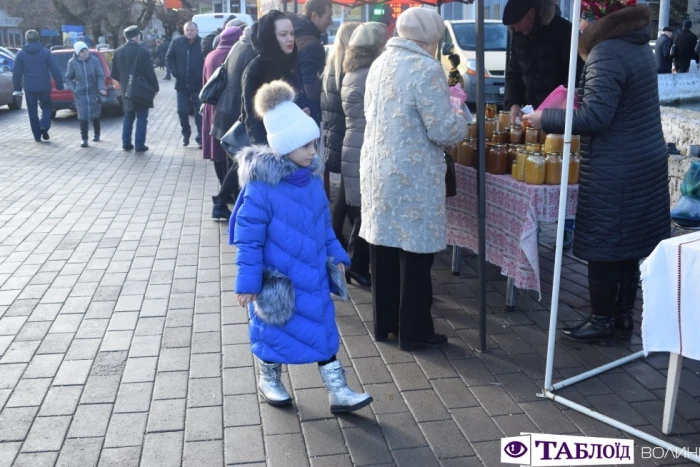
(282, 231)
(36, 65)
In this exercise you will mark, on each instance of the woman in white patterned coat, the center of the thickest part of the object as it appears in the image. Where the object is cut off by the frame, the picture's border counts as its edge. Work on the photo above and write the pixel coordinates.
(402, 177)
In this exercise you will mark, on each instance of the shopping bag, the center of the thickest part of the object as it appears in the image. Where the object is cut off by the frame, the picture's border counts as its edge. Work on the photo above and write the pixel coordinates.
(557, 100)
(235, 139)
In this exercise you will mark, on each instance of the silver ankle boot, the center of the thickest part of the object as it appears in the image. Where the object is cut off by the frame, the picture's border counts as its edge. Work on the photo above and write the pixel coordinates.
(341, 397)
(270, 385)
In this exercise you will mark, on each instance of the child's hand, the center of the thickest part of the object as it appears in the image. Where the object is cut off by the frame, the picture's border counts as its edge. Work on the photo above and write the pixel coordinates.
(341, 268)
(246, 298)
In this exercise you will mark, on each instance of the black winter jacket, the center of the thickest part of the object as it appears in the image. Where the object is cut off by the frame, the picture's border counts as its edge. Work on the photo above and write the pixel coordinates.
(623, 206)
(228, 109)
(124, 59)
(186, 63)
(312, 62)
(208, 42)
(271, 64)
(36, 65)
(664, 61)
(539, 63)
(685, 43)
(333, 120)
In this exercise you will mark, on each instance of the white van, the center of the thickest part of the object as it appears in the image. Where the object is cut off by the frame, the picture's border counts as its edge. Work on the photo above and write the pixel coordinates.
(460, 39)
(210, 22)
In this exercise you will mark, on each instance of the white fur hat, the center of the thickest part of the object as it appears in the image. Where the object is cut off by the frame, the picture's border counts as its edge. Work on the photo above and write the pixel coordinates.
(78, 46)
(288, 127)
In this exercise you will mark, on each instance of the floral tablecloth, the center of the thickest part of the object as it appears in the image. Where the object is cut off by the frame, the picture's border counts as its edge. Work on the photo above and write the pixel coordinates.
(513, 211)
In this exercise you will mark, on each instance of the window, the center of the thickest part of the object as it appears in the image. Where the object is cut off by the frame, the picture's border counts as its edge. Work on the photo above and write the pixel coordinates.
(495, 36)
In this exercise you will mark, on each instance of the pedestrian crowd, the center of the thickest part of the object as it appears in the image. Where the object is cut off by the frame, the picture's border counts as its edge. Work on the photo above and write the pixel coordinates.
(377, 112)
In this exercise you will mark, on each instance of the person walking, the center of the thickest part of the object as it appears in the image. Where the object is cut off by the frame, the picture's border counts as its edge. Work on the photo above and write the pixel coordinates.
(34, 68)
(308, 29)
(86, 79)
(366, 44)
(186, 63)
(211, 148)
(664, 60)
(334, 122)
(289, 261)
(127, 57)
(234, 23)
(227, 113)
(685, 43)
(402, 177)
(162, 52)
(623, 204)
(207, 42)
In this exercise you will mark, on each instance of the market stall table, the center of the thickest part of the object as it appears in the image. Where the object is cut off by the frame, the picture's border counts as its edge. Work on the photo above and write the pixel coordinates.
(513, 212)
(671, 319)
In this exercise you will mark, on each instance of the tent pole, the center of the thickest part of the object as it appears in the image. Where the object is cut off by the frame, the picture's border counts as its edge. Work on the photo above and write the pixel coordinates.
(480, 113)
(573, 58)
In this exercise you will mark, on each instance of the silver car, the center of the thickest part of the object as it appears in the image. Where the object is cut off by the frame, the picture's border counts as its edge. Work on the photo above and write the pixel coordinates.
(6, 88)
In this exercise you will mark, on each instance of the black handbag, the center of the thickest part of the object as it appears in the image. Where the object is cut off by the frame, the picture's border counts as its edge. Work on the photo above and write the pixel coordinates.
(138, 90)
(212, 91)
(235, 139)
(450, 177)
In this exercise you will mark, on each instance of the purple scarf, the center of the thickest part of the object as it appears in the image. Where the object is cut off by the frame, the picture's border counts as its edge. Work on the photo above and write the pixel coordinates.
(301, 177)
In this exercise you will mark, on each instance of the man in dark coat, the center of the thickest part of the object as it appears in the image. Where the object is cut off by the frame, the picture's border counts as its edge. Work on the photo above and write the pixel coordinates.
(623, 205)
(539, 57)
(308, 29)
(125, 58)
(35, 66)
(186, 63)
(685, 43)
(208, 42)
(664, 61)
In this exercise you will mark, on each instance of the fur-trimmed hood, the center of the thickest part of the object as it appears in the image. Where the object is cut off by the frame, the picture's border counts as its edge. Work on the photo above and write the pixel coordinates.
(357, 58)
(630, 22)
(261, 163)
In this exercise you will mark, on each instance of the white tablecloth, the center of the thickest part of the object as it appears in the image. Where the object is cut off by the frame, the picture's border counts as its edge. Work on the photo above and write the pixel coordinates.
(671, 285)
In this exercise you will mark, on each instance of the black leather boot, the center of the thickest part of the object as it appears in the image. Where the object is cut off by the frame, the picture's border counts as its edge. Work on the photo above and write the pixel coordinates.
(220, 210)
(627, 296)
(599, 327)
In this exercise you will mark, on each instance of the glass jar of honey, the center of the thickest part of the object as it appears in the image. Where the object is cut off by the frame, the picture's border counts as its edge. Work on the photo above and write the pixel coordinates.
(472, 130)
(504, 120)
(470, 155)
(574, 169)
(512, 156)
(490, 126)
(516, 134)
(552, 169)
(463, 149)
(575, 144)
(501, 137)
(497, 162)
(532, 136)
(514, 171)
(533, 148)
(543, 137)
(491, 110)
(554, 144)
(534, 169)
(521, 158)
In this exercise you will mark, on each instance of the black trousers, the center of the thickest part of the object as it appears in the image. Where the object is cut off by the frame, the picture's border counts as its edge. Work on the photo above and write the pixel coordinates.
(613, 286)
(340, 209)
(358, 248)
(402, 293)
(221, 168)
(85, 125)
(229, 185)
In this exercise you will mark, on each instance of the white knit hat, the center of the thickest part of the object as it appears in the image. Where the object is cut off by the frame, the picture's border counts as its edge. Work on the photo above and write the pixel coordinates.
(288, 127)
(78, 46)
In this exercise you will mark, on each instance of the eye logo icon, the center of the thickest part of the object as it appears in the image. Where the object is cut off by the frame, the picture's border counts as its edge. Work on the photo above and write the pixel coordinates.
(515, 449)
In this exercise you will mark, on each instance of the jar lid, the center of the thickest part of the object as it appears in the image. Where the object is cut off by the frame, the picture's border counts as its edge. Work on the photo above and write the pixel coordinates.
(557, 154)
(505, 112)
(491, 119)
(500, 146)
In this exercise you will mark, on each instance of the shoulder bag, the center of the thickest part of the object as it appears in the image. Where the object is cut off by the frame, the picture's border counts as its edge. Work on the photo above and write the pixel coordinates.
(212, 91)
(139, 91)
(235, 139)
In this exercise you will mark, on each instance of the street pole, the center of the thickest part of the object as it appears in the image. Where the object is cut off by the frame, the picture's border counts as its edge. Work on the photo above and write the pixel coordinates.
(664, 14)
(480, 121)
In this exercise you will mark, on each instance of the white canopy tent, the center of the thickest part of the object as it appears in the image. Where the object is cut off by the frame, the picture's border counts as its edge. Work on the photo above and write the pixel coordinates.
(549, 388)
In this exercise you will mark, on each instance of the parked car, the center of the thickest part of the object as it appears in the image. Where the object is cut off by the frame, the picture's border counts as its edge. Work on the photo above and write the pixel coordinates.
(6, 89)
(7, 58)
(460, 39)
(64, 99)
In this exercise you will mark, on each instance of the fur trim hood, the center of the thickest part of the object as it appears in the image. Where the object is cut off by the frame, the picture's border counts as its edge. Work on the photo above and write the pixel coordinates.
(262, 164)
(633, 20)
(357, 58)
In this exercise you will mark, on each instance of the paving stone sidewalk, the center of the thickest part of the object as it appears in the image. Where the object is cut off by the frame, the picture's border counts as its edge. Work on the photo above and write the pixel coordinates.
(121, 342)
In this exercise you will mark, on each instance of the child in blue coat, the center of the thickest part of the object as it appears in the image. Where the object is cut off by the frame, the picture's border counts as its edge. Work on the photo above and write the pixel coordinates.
(289, 259)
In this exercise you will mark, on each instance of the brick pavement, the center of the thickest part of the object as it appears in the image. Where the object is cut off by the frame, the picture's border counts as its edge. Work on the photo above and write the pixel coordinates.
(121, 343)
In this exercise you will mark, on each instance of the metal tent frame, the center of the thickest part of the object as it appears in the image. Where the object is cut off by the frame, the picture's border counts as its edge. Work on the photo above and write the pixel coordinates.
(549, 388)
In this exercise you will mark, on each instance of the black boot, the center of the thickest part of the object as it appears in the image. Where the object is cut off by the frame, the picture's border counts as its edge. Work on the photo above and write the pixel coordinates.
(599, 327)
(364, 280)
(626, 298)
(84, 143)
(220, 210)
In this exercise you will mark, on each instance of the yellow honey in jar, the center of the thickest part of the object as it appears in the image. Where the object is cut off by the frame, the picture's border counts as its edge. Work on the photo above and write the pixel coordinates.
(574, 169)
(575, 144)
(554, 144)
(504, 120)
(516, 134)
(497, 162)
(520, 160)
(490, 127)
(514, 171)
(491, 110)
(534, 169)
(552, 171)
(532, 136)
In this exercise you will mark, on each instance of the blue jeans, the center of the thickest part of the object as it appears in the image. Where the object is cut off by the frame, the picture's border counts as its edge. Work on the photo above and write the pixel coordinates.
(34, 99)
(167, 72)
(141, 117)
(185, 100)
(569, 226)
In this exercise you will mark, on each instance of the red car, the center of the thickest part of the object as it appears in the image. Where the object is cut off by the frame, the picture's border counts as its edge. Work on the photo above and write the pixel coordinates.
(64, 99)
